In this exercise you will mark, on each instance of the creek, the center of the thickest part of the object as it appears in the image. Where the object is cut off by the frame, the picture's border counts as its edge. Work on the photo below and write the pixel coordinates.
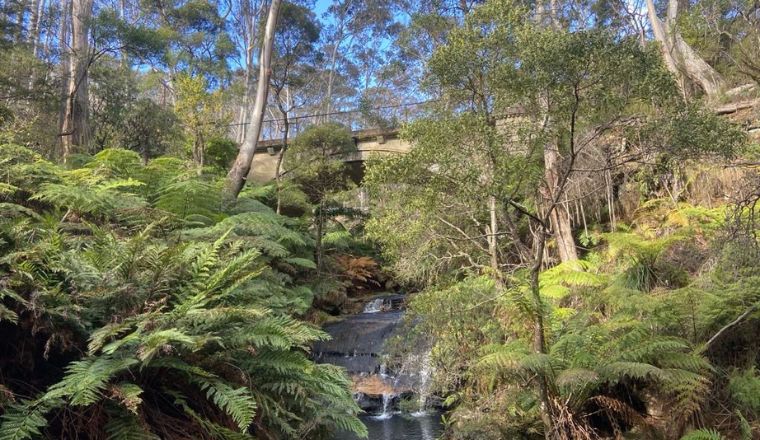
(358, 344)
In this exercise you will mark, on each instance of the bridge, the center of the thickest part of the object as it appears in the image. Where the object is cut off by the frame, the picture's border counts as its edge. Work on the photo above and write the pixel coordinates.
(368, 142)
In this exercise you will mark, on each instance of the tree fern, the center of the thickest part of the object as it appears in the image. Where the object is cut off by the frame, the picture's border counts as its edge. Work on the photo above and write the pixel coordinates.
(153, 326)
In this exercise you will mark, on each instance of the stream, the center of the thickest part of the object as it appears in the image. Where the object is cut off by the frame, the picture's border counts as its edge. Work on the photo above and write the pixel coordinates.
(357, 345)
(400, 427)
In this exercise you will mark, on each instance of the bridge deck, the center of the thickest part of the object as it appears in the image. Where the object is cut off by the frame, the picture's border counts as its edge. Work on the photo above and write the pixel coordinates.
(368, 142)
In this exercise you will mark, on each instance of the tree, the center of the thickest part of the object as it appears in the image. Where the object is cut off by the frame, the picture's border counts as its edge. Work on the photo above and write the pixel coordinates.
(202, 113)
(242, 166)
(682, 61)
(75, 112)
(293, 70)
(315, 163)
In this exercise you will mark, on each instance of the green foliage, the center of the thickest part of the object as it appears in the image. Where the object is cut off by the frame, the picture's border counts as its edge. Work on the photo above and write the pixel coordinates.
(703, 434)
(146, 326)
(314, 159)
(745, 389)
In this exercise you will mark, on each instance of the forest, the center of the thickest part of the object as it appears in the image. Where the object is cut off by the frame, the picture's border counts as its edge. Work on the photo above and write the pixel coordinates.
(396, 220)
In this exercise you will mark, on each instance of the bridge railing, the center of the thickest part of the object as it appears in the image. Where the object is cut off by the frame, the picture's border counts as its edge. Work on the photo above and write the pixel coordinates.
(383, 117)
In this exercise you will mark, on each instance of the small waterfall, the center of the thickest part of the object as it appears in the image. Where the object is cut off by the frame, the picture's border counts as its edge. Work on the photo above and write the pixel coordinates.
(423, 389)
(358, 345)
(387, 413)
(374, 306)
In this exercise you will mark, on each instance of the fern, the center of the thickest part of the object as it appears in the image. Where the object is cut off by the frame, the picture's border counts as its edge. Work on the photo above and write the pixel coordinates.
(97, 259)
(85, 380)
(126, 426)
(21, 422)
(238, 403)
(196, 201)
(703, 434)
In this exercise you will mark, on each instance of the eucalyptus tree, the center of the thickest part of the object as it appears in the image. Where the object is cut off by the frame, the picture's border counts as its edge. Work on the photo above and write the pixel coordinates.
(727, 33)
(315, 162)
(353, 45)
(239, 171)
(682, 60)
(293, 70)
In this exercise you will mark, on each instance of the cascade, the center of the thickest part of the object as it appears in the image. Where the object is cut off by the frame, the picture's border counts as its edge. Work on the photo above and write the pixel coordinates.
(423, 389)
(374, 306)
(386, 414)
(357, 344)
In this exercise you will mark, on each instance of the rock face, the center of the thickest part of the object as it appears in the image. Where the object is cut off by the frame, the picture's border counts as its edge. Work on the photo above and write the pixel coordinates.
(357, 344)
(358, 340)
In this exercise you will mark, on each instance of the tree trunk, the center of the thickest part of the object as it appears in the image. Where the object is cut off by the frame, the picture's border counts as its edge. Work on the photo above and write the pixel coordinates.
(680, 58)
(239, 172)
(75, 130)
(560, 220)
(539, 333)
(492, 231)
(63, 43)
(278, 168)
(38, 7)
(331, 80)
(318, 238)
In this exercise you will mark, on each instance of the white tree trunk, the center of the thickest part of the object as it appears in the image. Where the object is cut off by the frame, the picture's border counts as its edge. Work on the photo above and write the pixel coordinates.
(680, 58)
(38, 6)
(239, 171)
(563, 232)
(75, 130)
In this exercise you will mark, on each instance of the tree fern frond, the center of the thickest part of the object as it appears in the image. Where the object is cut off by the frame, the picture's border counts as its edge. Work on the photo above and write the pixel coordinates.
(237, 402)
(100, 337)
(703, 434)
(163, 340)
(124, 425)
(21, 422)
(505, 357)
(615, 371)
(85, 380)
(13, 210)
(577, 378)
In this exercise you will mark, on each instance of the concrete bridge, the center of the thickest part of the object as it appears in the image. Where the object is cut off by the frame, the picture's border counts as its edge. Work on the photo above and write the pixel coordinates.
(368, 142)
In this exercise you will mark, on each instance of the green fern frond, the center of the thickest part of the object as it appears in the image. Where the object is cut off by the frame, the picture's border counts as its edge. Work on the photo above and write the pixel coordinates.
(13, 210)
(101, 336)
(123, 425)
(577, 378)
(22, 422)
(301, 262)
(7, 189)
(162, 340)
(237, 402)
(703, 434)
(615, 371)
(191, 198)
(86, 380)
(503, 356)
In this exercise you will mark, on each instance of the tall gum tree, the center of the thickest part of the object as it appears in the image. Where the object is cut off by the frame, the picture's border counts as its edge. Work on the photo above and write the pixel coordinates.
(239, 172)
(682, 60)
(75, 113)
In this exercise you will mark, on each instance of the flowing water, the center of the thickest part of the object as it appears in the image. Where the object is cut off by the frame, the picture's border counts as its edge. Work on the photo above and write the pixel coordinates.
(398, 427)
(357, 345)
